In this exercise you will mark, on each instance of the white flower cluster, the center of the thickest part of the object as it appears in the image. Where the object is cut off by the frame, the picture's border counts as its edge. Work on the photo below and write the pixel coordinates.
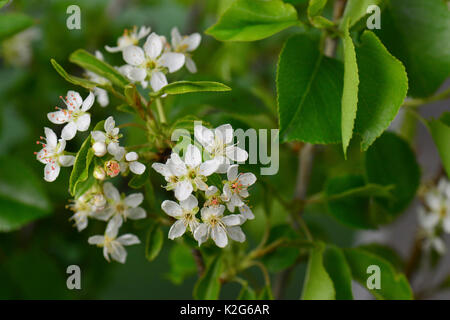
(157, 57)
(190, 175)
(434, 217)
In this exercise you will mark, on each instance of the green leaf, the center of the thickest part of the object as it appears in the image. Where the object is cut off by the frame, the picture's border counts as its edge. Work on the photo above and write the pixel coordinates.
(208, 285)
(126, 108)
(350, 91)
(394, 285)
(154, 242)
(89, 62)
(318, 284)
(391, 162)
(247, 293)
(309, 89)
(314, 11)
(266, 294)
(139, 180)
(250, 20)
(355, 10)
(349, 199)
(382, 89)
(3, 3)
(417, 33)
(386, 253)
(179, 271)
(181, 87)
(283, 257)
(440, 130)
(73, 79)
(22, 196)
(12, 23)
(339, 271)
(132, 95)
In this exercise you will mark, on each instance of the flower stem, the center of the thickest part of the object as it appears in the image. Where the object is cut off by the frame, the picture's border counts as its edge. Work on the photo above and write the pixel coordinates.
(160, 109)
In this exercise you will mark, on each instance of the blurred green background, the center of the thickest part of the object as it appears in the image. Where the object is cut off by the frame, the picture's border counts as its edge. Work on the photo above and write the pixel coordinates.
(35, 254)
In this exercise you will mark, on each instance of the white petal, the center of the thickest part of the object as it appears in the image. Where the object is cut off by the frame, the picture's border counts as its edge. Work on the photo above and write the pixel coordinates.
(131, 156)
(190, 65)
(113, 148)
(73, 100)
(224, 133)
(133, 200)
(433, 200)
(69, 131)
(172, 208)
(232, 172)
(204, 135)
(153, 46)
(102, 96)
(193, 157)
(113, 49)
(162, 169)
(136, 213)
(212, 190)
(236, 234)
(137, 74)
(172, 61)
(177, 230)
(190, 203)
(208, 167)
(83, 122)
(98, 136)
(201, 233)
(176, 165)
(446, 224)
(193, 41)
(158, 80)
(133, 55)
(112, 228)
(88, 102)
(58, 117)
(236, 154)
(439, 245)
(232, 220)
(246, 212)
(50, 137)
(109, 124)
(128, 239)
(111, 192)
(247, 179)
(96, 240)
(175, 36)
(137, 167)
(66, 161)
(219, 235)
(51, 172)
(119, 253)
(183, 189)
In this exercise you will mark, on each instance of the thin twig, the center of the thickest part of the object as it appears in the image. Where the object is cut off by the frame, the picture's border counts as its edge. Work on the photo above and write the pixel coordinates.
(198, 261)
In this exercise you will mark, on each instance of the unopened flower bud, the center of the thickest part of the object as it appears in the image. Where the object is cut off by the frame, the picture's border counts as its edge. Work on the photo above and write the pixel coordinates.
(112, 168)
(99, 149)
(99, 173)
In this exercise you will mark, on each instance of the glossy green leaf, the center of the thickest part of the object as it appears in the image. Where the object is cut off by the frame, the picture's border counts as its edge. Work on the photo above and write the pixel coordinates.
(355, 10)
(350, 91)
(208, 286)
(139, 180)
(154, 242)
(73, 79)
(390, 161)
(417, 33)
(382, 89)
(440, 130)
(386, 253)
(12, 23)
(349, 200)
(250, 20)
(181, 87)
(318, 284)
(309, 89)
(339, 271)
(394, 285)
(89, 62)
(179, 271)
(314, 11)
(22, 196)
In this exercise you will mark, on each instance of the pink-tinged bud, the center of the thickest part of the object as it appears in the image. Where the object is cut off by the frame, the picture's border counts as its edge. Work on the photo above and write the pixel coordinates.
(112, 168)
(99, 149)
(99, 173)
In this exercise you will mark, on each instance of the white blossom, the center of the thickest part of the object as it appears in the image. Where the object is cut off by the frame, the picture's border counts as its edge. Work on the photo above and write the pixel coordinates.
(111, 244)
(88, 205)
(129, 38)
(437, 202)
(108, 140)
(219, 144)
(185, 45)
(52, 155)
(152, 62)
(184, 213)
(75, 115)
(235, 188)
(130, 161)
(219, 227)
(123, 208)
